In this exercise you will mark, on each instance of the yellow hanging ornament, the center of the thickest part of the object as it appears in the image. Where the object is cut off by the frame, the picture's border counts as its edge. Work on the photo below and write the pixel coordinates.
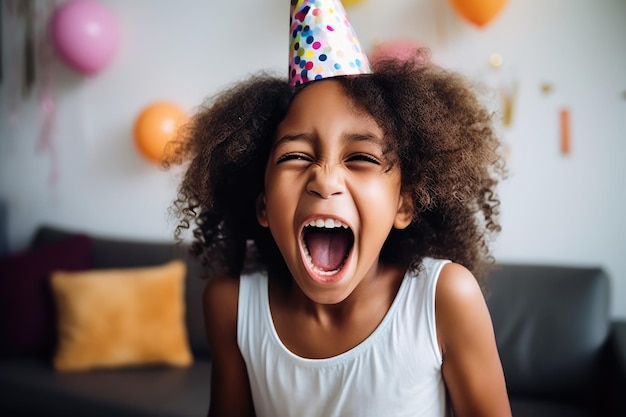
(348, 3)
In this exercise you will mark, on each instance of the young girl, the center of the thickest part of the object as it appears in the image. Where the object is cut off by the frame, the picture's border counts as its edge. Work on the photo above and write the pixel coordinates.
(369, 200)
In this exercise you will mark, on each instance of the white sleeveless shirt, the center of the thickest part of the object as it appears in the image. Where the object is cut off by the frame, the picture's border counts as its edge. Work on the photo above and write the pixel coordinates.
(395, 372)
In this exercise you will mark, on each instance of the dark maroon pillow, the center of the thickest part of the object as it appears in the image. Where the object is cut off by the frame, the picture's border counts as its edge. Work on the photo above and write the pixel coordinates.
(27, 317)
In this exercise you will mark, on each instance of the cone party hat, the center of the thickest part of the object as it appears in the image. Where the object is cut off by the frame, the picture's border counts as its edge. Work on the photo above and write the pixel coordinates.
(322, 43)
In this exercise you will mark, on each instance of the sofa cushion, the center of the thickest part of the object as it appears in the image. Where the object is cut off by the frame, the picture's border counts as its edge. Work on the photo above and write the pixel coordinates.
(109, 252)
(551, 326)
(544, 408)
(26, 308)
(31, 387)
(121, 317)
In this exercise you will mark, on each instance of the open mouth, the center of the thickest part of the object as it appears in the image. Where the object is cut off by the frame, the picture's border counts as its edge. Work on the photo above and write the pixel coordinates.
(327, 243)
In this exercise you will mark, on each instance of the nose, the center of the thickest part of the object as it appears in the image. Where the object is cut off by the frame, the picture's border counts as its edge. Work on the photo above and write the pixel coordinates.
(325, 181)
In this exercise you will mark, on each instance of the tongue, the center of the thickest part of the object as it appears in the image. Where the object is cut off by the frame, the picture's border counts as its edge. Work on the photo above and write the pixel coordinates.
(328, 248)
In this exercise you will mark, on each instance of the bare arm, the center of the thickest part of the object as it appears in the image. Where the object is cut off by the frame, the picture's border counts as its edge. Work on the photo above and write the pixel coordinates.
(230, 389)
(471, 365)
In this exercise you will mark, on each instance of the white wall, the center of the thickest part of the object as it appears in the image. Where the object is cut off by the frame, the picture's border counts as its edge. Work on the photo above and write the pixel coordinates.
(556, 209)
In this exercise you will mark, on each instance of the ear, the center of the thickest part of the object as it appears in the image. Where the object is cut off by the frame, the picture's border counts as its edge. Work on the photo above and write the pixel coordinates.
(404, 216)
(261, 213)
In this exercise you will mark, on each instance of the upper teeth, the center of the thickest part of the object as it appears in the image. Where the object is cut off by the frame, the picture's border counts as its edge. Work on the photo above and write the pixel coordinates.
(327, 223)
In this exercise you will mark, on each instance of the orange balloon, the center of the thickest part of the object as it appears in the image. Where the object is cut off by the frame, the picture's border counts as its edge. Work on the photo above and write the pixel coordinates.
(155, 127)
(478, 12)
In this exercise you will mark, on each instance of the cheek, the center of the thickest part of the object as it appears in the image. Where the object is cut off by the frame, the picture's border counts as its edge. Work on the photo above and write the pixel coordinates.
(280, 204)
(278, 190)
(278, 207)
(382, 190)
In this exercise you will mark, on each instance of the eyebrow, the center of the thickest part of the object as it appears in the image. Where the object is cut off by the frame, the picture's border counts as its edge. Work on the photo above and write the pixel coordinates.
(291, 138)
(350, 137)
(364, 137)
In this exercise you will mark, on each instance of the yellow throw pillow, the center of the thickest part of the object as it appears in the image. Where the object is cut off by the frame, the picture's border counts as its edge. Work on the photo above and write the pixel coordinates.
(121, 317)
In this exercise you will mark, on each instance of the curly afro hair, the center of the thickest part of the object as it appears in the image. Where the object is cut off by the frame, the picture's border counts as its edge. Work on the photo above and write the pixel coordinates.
(436, 129)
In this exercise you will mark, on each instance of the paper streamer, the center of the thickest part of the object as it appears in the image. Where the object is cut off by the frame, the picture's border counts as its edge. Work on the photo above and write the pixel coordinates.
(508, 95)
(564, 118)
(46, 94)
(12, 77)
(29, 50)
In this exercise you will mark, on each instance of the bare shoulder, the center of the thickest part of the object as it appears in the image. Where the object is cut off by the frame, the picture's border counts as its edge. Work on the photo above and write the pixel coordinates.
(459, 303)
(471, 365)
(221, 295)
(220, 303)
(457, 283)
(230, 390)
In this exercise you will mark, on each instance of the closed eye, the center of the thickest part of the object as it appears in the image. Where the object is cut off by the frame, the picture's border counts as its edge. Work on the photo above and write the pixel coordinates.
(295, 156)
(361, 157)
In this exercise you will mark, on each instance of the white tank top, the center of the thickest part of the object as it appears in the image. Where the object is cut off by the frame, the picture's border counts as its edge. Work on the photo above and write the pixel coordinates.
(396, 371)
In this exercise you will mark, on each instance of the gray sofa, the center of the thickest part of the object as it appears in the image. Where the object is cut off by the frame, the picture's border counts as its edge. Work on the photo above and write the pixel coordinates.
(561, 352)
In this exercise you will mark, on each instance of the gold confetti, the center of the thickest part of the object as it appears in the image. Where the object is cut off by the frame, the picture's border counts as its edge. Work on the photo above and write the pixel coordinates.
(546, 88)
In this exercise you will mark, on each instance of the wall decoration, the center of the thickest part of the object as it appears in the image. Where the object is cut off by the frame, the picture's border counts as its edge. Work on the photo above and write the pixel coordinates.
(155, 127)
(546, 88)
(564, 119)
(47, 80)
(506, 84)
(495, 60)
(348, 3)
(508, 95)
(85, 35)
(30, 72)
(478, 12)
(27, 8)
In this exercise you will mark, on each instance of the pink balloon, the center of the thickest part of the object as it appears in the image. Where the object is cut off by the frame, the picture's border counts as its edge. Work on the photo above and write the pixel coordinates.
(402, 49)
(85, 35)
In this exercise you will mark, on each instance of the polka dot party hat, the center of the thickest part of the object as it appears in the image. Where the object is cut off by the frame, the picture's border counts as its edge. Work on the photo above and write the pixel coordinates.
(322, 42)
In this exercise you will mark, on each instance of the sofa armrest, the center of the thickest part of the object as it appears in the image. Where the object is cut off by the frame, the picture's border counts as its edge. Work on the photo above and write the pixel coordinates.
(618, 369)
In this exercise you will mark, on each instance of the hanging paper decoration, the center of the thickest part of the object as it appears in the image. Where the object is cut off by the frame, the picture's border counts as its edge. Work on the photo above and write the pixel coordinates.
(507, 88)
(478, 12)
(27, 7)
(47, 101)
(31, 57)
(508, 95)
(504, 82)
(402, 49)
(155, 127)
(564, 120)
(85, 35)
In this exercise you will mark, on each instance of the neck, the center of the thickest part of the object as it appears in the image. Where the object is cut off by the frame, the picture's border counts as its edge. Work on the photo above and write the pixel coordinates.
(376, 291)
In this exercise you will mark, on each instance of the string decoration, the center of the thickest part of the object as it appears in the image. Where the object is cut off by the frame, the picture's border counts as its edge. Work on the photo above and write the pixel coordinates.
(46, 95)
(31, 73)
